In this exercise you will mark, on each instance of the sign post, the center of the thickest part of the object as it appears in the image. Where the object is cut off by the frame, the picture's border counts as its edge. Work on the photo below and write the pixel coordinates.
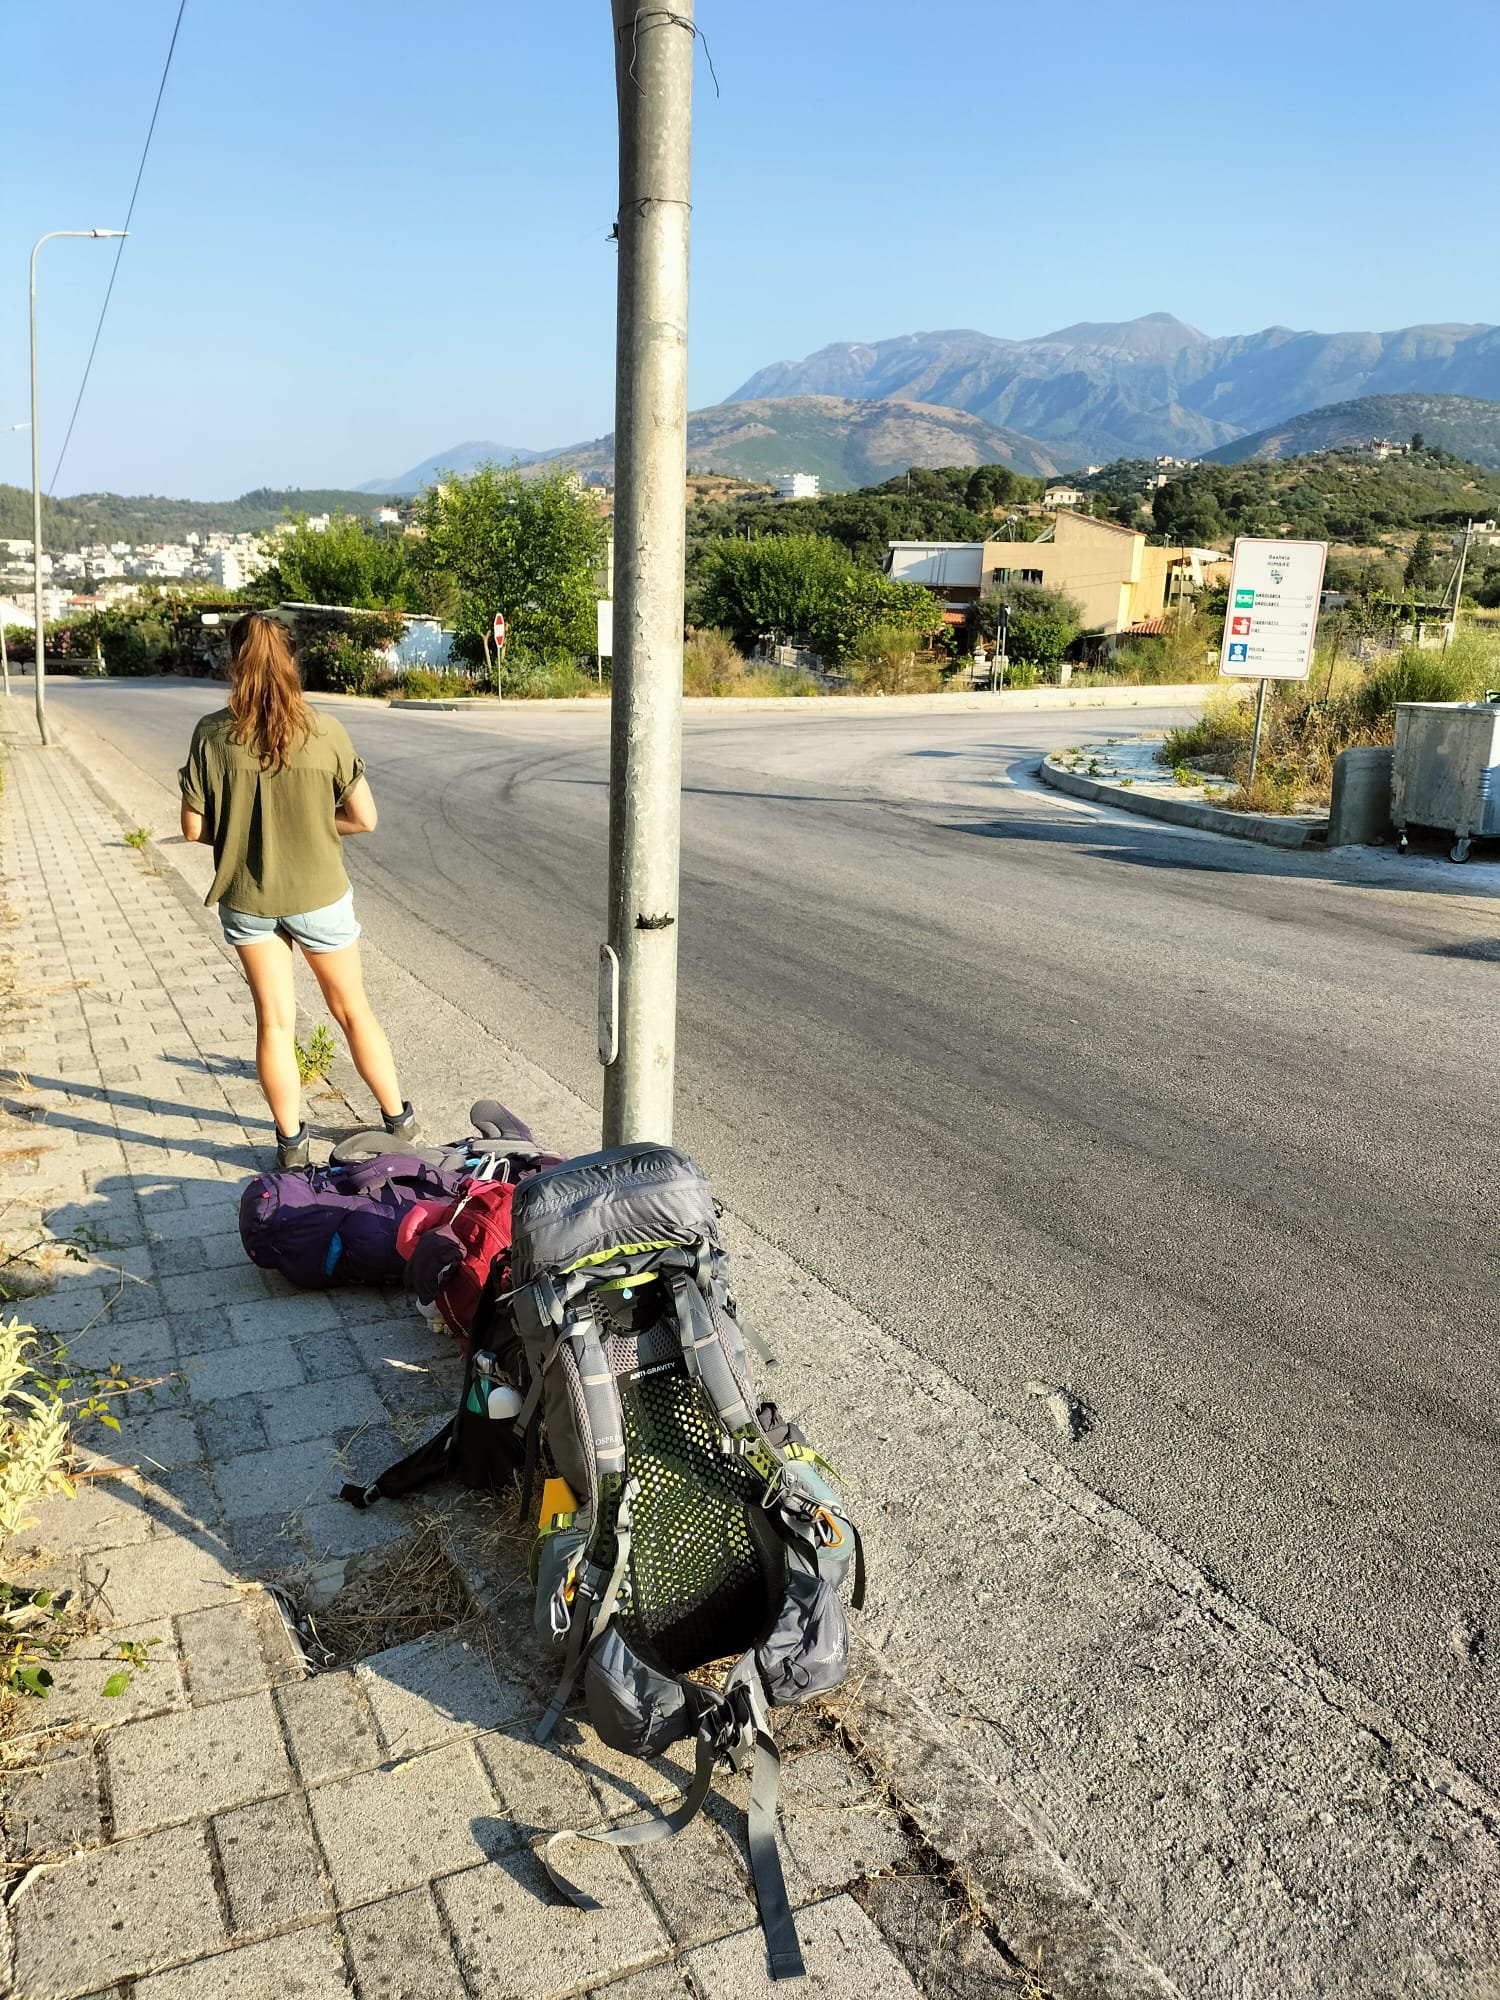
(1271, 624)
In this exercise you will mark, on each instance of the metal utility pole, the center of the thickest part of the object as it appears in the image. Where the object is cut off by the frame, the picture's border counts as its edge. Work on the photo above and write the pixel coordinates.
(1260, 718)
(638, 973)
(1458, 584)
(36, 481)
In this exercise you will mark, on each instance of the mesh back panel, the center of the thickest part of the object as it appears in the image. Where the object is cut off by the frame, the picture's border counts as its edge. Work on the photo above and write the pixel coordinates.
(706, 1569)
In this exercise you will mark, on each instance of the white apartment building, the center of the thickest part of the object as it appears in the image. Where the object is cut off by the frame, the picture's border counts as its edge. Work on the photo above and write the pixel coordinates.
(797, 485)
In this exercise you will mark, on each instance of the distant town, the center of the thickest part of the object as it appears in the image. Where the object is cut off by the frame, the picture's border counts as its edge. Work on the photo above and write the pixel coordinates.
(105, 574)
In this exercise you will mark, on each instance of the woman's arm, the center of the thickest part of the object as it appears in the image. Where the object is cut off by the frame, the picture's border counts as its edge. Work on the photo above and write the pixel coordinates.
(194, 826)
(355, 812)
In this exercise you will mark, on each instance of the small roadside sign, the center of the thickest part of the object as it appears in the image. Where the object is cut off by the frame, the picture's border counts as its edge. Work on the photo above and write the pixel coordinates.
(500, 630)
(1274, 592)
(605, 628)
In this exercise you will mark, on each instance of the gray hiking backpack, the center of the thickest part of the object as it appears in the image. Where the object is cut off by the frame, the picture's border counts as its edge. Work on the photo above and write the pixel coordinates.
(704, 1528)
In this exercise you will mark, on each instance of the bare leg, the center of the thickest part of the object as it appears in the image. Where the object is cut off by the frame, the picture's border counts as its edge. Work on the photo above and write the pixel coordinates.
(342, 981)
(268, 968)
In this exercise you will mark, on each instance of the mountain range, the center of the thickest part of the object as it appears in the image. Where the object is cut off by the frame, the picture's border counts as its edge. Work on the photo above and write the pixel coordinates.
(846, 442)
(857, 411)
(457, 458)
(1124, 389)
(1461, 424)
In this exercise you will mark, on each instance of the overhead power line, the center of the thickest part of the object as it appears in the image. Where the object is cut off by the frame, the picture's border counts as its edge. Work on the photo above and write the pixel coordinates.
(119, 249)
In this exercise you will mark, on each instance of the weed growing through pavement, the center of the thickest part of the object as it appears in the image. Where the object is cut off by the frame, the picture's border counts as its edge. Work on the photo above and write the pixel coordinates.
(1184, 776)
(315, 1055)
(137, 838)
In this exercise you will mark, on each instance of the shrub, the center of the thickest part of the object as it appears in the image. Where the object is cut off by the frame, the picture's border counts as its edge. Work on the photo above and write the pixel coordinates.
(1460, 674)
(1274, 791)
(315, 1055)
(1020, 674)
(885, 661)
(1216, 740)
(712, 663)
(134, 645)
(435, 684)
(33, 1431)
(1185, 652)
(529, 678)
(339, 663)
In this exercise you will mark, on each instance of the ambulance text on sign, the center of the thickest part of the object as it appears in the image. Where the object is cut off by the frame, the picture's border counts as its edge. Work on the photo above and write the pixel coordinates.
(1272, 618)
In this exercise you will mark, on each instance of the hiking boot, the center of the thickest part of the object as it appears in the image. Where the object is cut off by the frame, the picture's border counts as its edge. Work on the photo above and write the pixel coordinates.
(293, 1151)
(401, 1124)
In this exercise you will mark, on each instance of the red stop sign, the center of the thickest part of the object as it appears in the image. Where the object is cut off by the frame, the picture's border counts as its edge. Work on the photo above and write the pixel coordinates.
(500, 630)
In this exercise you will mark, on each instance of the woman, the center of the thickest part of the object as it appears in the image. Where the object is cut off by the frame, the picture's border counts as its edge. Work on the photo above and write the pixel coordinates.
(273, 786)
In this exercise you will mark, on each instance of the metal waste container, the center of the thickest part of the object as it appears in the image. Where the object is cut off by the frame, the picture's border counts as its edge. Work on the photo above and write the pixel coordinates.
(1447, 770)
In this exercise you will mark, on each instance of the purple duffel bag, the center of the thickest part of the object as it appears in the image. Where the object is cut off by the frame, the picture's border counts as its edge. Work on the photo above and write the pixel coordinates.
(336, 1225)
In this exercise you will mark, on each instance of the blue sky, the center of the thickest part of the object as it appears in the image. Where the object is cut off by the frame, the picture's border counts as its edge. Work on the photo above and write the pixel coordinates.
(369, 231)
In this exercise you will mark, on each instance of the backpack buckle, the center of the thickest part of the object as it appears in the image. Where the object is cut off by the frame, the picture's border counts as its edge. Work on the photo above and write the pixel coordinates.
(727, 1726)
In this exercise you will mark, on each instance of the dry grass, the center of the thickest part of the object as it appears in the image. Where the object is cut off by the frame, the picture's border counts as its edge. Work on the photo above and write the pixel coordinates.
(713, 665)
(410, 1590)
(1346, 704)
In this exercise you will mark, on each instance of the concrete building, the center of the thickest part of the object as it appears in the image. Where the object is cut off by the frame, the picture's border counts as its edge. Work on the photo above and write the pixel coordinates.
(797, 485)
(951, 569)
(1115, 578)
(1062, 496)
(1099, 564)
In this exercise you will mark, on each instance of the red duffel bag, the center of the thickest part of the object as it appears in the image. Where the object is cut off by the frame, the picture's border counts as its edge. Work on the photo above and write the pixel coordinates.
(454, 1250)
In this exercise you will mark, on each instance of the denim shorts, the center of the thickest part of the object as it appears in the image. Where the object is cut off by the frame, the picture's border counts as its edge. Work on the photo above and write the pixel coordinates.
(329, 929)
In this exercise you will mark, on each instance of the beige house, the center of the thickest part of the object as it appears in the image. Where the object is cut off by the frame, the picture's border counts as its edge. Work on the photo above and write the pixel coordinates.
(1112, 573)
(1097, 563)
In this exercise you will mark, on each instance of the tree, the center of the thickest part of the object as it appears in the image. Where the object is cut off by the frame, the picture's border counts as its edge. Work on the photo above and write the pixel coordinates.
(778, 587)
(805, 588)
(1418, 572)
(1417, 441)
(1186, 511)
(532, 548)
(348, 562)
(1043, 623)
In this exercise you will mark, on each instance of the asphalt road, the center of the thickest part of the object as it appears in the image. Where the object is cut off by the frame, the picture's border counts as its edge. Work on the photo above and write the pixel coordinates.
(1202, 1132)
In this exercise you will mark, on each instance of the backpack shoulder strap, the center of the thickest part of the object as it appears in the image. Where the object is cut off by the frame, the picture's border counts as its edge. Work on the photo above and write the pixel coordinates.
(704, 1354)
(430, 1461)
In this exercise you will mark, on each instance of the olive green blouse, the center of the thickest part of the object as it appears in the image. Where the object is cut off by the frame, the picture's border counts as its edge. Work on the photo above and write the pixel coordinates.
(277, 852)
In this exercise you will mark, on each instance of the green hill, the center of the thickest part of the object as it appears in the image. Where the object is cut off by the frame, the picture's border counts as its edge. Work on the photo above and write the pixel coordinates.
(1328, 496)
(1464, 425)
(846, 442)
(121, 517)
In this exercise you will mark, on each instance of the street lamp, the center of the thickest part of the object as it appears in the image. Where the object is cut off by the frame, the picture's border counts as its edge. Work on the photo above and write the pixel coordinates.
(4, 654)
(36, 478)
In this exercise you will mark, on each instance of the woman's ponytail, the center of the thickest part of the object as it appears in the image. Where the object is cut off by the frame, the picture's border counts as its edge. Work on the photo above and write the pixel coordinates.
(265, 692)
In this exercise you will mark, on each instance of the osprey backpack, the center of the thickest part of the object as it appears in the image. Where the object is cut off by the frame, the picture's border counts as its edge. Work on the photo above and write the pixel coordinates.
(696, 1527)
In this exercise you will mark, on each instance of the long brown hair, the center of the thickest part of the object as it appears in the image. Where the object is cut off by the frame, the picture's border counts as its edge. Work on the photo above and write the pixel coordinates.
(265, 690)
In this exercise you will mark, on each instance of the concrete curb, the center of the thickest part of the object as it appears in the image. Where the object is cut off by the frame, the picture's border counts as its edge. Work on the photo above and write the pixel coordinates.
(1269, 829)
(1187, 695)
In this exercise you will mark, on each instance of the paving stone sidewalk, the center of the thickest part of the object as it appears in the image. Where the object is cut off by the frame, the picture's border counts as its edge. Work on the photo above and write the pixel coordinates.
(236, 1821)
